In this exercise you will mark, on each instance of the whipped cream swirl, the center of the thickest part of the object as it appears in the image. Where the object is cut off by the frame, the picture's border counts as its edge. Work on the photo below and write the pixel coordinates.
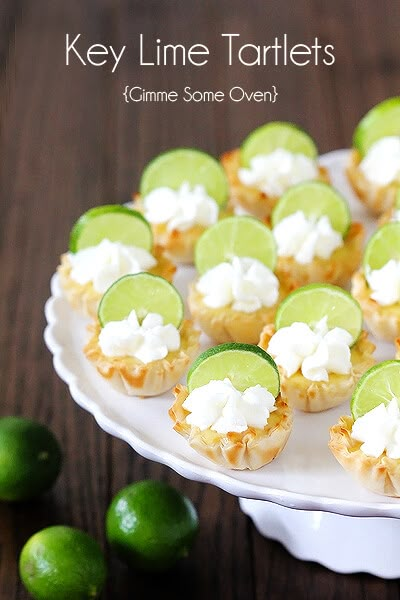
(381, 164)
(181, 209)
(218, 405)
(149, 341)
(245, 283)
(317, 351)
(277, 171)
(385, 283)
(379, 430)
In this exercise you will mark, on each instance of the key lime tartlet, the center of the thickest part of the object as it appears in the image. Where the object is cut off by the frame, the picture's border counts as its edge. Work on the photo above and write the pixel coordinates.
(231, 410)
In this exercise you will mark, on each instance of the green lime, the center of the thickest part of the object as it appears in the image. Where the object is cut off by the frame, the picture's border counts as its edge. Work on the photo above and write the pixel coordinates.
(383, 245)
(62, 563)
(30, 459)
(235, 236)
(381, 121)
(310, 303)
(172, 168)
(314, 199)
(114, 222)
(278, 134)
(244, 364)
(145, 293)
(379, 384)
(151, 525)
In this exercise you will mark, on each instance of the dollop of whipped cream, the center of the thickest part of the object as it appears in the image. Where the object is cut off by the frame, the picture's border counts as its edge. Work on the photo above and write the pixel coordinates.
(181, 209)
(381, 164)
(317, 351)
(220, 406)
(277, 171)
(306, 237)
(151, 340)
(385, 283)
(245, 283)
(108, 261)
(379, 429)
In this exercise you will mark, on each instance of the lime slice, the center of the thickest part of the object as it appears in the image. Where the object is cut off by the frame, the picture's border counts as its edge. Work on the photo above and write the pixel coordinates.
(174, 167)
(309, 304)
(235, 236)
(382, 246)
(381, 121)
(315, 199)
(114, 222)
(244, 364)
(278, 134)
(379, 384)
(144, 293)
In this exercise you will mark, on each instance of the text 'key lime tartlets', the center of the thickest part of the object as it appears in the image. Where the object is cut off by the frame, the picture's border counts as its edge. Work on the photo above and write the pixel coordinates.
(231, 410)
(141, 338)
(367, 443)
(316, 240)
(374, 164)
(271, 159)
(106, 243)
(181, 193)
(237, 291)
(319, 346)
(376, 285)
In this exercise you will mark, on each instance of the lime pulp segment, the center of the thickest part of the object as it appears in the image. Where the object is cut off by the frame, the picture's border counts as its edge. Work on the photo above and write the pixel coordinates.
(235, 236)
(382, 246)
(379, 384)
(244, 364)
(113, 222)
(381, 121)
(311, 303)
(144, 293)
(314, 199)
(174, 167)
(277, 134)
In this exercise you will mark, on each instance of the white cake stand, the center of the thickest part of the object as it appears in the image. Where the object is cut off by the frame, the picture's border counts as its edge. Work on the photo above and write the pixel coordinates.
(303, 499)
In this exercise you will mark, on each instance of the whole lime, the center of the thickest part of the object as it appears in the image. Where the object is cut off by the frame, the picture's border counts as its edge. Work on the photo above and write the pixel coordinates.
(151, 525)
(62, 563)
(30, 458)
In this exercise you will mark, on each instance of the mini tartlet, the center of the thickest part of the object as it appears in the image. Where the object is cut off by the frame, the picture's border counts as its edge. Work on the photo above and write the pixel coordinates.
(264, 141)
(251, 448)
(182, 192)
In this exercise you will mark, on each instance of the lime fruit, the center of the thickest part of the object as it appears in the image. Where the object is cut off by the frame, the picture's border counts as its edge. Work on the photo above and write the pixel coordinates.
(144, 293)
(151, 525)
(314, 199)
(379, 384)
(244, 364)
(30, 459)
(383, 245)
(381, 121)
(310, 303)
(278, 134)
(235, 236)
(62, 563)
(114, 222)
(172, 168)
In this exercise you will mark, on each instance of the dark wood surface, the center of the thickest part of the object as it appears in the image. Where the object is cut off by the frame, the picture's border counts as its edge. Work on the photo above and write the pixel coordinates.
(68, 141)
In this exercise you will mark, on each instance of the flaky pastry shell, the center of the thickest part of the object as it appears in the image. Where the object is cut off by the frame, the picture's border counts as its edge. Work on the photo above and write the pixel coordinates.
(316, 396)
(250, 449)
(337, 269)
(140, 379)
(228, 325)
(382, 321)
(381, 475)
(376, 198)
(250, 198)
(85, 298)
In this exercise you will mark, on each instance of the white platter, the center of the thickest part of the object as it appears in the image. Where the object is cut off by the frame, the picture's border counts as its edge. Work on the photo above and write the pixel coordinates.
(305, 476)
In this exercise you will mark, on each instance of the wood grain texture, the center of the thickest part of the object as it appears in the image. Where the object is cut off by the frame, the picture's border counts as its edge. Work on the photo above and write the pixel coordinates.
(68, 141)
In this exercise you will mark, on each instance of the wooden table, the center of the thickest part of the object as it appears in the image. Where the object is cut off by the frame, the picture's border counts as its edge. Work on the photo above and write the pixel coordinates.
(69, 141)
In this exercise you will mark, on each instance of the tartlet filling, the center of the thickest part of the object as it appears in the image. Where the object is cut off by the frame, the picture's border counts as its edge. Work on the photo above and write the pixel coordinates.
(379, 430)
(385, 283)
(381, 164)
